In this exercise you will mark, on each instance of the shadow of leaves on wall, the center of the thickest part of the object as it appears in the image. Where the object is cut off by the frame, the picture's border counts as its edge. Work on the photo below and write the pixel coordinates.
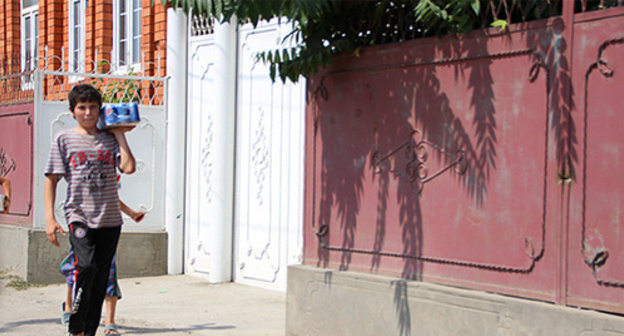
(369, 109)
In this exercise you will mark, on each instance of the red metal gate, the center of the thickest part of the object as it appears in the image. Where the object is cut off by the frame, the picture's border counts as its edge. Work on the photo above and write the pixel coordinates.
(16, 160)
(595, 222)
(486, 161)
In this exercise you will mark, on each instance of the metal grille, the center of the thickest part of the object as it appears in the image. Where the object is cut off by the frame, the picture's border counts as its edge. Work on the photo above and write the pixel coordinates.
(114, 88)
(514, 11)
(10, 65)
(56, 80)
(593, 5)
(16, 88)
(201, 26)
(15, 84)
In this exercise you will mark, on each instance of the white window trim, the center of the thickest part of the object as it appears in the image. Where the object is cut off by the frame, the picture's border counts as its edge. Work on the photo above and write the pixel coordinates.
(28, 12)
(132, 67)
(32, 12)
(81, 52)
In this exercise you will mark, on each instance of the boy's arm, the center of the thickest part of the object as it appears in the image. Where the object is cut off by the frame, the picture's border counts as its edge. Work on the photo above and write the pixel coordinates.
(49, 196)
(6, 185)
(127, 163)
(137, 216)
(125, 208)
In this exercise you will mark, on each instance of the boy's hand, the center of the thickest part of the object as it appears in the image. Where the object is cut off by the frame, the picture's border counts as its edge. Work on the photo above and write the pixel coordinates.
(120, 129)
(137, 216)
(51, 228)
(127, 163)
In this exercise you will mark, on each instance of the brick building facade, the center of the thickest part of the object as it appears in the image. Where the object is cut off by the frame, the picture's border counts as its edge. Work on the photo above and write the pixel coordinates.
(82, 33)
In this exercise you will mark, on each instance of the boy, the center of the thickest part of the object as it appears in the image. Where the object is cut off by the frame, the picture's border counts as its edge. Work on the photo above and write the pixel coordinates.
(87, 157)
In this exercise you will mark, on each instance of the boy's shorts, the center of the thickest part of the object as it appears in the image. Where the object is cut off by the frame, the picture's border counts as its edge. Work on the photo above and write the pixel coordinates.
(67, 269)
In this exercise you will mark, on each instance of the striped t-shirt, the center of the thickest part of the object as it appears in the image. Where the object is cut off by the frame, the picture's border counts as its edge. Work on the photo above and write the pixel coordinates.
(88, 163)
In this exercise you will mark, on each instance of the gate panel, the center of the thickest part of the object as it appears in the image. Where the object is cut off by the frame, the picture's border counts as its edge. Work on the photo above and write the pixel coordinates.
(142, 190)
(16, 159)
(435, 160)
(203, 192)
(596, 244)
(269, 197)
(147, 144)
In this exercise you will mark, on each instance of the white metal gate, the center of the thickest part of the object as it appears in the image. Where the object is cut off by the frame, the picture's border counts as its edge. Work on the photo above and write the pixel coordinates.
(201, 203)
(269, 175)
(142, 190)
(268, 200)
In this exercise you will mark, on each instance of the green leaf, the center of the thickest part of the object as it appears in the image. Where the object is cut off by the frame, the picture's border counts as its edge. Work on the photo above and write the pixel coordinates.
(500, 23)
(476, 6)
(285, 55)
(218, 8)
(277, 59)
(254, 20)
(282, 76)
(272, 71)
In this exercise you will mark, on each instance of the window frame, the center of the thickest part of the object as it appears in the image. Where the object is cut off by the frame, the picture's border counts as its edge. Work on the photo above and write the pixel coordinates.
(76, 65)
(130, 64)
(32, 13)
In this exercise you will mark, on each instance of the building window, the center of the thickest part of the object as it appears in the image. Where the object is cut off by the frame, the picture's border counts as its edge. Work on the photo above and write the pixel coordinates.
(30, 35)
(127, 33)
(77, 34)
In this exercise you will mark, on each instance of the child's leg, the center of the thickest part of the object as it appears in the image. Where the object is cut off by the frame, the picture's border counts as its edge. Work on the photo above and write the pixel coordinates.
(68, 269)
(105, 248)
(67, 306)
(111, 305)
(113, 293)
(68, 300)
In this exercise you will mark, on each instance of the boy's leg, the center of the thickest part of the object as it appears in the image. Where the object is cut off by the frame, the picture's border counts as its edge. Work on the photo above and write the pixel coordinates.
(106, 246)
(82, 240)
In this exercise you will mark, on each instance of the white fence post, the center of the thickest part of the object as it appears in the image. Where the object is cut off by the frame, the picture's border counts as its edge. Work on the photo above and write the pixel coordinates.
(177, 36)
(225, 107)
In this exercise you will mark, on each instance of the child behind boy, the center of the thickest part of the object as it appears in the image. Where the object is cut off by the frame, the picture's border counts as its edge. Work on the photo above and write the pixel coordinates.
(87, 158)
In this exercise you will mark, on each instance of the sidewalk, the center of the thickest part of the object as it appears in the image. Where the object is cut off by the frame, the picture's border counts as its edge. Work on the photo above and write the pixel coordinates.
(165, 305)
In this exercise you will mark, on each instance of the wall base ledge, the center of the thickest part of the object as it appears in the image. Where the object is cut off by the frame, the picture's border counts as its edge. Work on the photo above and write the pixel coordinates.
(331, 302)
(27, 253)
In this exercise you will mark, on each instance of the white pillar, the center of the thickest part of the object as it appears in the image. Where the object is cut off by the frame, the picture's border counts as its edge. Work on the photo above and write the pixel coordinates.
(177, 36)
(225, 112)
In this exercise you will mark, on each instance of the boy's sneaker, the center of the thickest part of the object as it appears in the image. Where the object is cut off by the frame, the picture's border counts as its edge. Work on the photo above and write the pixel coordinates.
(65, 315)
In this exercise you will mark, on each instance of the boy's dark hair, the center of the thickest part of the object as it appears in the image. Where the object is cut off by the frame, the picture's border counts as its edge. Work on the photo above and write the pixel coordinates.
(83, 93)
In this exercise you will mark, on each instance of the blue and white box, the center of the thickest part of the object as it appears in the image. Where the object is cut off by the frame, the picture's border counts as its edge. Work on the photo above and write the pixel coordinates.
(119, 114)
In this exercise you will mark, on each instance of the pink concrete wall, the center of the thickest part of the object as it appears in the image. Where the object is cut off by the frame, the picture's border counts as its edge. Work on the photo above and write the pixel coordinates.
(16, 154)
(447, 160)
